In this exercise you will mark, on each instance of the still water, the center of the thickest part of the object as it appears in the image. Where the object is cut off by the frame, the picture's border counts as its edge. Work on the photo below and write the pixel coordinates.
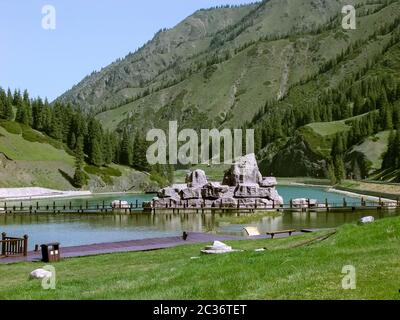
(96, 228)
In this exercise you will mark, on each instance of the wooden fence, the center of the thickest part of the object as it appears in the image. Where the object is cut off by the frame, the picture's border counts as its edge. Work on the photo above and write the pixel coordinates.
(186, 205)
(13, 246)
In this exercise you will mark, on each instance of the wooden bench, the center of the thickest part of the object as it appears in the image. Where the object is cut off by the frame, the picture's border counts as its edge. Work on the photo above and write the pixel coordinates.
(272, 234)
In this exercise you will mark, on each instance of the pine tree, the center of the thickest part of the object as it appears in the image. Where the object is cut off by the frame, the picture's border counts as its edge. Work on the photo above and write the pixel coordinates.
(79, 176)
(139, 159)
(96, 156)
(340, 171)
(125, 149)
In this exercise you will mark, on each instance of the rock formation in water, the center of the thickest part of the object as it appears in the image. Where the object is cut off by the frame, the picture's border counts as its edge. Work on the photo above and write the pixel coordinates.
(243, 186)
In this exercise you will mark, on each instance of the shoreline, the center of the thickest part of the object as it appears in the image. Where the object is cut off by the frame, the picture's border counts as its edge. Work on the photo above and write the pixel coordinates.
(37, 193)
(359, 195)
(347, 193)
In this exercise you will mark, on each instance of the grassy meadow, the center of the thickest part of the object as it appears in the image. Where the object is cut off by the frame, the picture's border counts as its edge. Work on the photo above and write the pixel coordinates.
(300, 267)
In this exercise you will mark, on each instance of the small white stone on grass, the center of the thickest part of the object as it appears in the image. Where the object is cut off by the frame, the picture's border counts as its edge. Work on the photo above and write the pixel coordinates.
(40, 274)
(217, 248)
(367, 219)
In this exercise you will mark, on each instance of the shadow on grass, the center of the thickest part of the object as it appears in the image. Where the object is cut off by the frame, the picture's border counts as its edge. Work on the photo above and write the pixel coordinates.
(67, 177)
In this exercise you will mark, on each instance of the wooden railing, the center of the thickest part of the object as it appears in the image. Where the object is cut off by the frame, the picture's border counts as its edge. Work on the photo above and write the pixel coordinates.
(13, 246)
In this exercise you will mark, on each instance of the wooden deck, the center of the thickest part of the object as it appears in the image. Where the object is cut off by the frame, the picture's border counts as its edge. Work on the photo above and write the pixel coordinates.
(132, 245)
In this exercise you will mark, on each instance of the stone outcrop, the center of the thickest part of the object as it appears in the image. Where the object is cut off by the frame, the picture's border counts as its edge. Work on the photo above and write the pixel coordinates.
(243, 186)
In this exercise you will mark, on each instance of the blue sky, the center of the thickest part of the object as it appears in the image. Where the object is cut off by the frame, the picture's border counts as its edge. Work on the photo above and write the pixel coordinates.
(89, 35)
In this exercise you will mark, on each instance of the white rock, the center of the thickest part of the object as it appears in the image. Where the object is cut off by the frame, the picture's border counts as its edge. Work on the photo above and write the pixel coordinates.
(196, 179)
(303, 202)
(40, 274)
(120, 204)
(248, 190)
(268, 182)
(214, 190)
(217, 248)
(244, 170)
(190, 193)
(367, 219)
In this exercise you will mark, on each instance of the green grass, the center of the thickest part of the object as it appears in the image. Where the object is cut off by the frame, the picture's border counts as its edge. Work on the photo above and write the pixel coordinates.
(291, 268)
(373, 148)
(106, 173)
(29, 145)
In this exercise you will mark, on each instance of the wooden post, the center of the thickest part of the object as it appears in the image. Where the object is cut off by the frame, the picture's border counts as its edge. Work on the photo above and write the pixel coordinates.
(362, 201)
(344, 203)
(70, 205)
(37, 205)
(5, 206)
(308, 203)
(291, 203)
(54, 205)
(137, 204)
(326, 203)
(3, 244)
(255, 204)
(273, 203)
(25, 245)
(87, 205)
(21, 207)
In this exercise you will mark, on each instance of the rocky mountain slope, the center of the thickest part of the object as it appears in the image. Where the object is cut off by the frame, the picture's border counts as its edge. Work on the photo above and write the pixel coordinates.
(268, 65)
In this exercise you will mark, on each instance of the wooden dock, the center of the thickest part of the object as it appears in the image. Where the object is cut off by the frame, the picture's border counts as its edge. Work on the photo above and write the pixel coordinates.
(128, 246)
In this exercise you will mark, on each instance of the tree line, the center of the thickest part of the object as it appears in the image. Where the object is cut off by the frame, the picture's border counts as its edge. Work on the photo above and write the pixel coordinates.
(80, 133)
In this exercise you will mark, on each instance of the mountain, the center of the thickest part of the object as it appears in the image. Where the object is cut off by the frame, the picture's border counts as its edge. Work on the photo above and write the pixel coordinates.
(276, 66)
(180, 65)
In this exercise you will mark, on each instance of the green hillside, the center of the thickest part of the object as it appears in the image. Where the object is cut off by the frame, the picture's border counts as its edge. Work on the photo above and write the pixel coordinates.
(33, 162)
(287, 69)
(30, 158)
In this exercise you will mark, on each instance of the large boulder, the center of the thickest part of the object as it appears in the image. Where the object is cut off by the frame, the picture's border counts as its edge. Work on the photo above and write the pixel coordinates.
(268, 182)
(274, 195)
(225, 203)
(196, 178)
(169, 192)
(243, 186)
(190, 193)
(214, 190)
(249, 190)
(244, 170)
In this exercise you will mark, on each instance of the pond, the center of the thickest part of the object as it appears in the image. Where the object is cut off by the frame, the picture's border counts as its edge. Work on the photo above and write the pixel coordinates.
(74, 229)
